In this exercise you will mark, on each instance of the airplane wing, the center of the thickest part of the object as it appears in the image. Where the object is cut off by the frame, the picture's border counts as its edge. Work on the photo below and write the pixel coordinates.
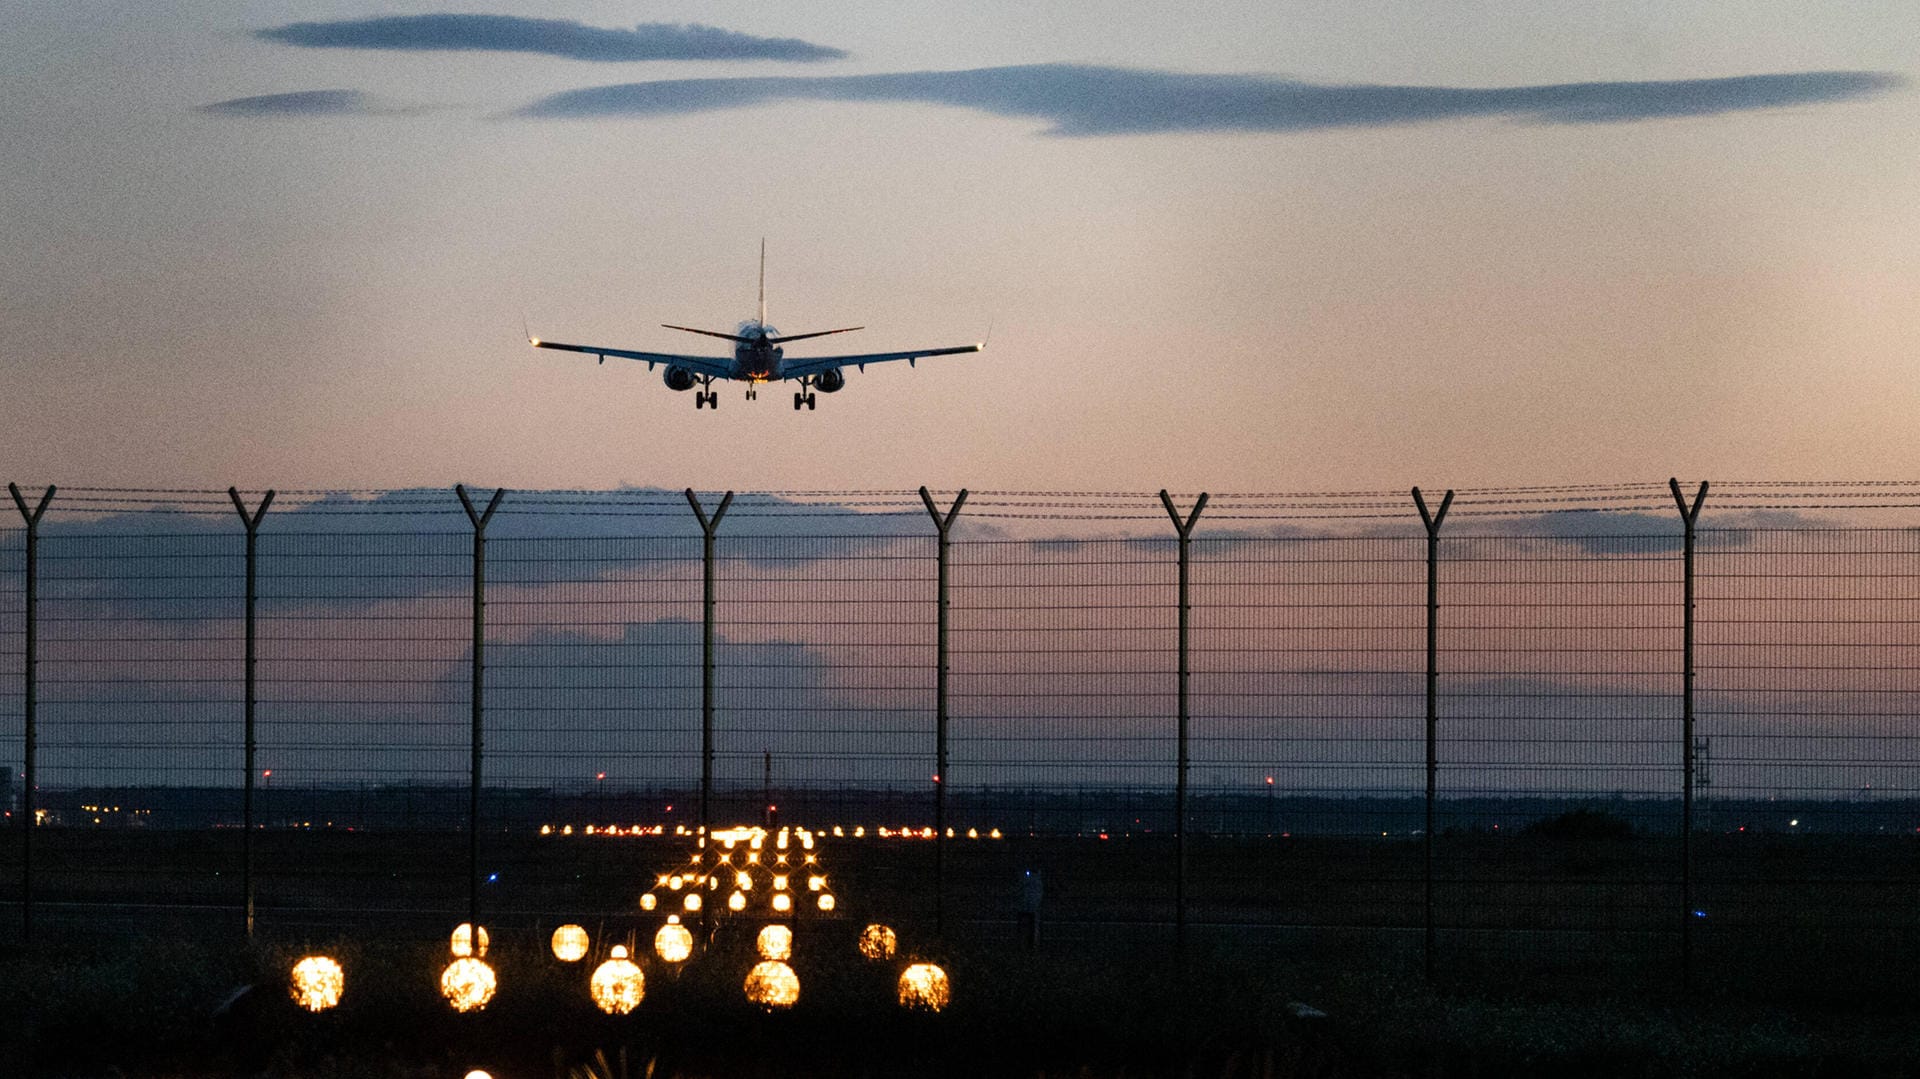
(700, 365)
(813, 365)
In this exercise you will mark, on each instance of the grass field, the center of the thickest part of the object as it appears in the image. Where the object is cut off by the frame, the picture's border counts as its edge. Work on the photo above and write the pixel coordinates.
(102, 1000)
(1550, 955)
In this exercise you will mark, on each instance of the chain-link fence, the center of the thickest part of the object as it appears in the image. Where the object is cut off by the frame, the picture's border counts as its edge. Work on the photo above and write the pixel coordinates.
(776, 659)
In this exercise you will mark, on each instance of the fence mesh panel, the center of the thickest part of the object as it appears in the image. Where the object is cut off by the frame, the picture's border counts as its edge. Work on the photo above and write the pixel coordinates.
(1559, 750)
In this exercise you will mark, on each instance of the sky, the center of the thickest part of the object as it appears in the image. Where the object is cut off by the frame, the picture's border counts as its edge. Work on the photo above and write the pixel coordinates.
(1292, 246)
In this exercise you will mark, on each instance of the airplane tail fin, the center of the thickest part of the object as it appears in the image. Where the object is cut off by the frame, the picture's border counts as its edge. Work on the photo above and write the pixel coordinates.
(763, 280)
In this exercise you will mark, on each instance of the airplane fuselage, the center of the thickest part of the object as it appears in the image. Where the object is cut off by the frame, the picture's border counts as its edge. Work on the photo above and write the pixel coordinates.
(755, 357)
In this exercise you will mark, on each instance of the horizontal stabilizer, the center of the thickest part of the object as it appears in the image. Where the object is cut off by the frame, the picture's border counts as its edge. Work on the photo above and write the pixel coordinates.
(803, 336)
(709, 333)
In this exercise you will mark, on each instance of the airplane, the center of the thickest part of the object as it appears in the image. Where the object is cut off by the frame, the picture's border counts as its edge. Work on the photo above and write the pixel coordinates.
(758, 358)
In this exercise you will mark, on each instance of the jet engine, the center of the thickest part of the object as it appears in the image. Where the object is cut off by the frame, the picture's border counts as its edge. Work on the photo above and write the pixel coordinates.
(678, 378)
(830, 380)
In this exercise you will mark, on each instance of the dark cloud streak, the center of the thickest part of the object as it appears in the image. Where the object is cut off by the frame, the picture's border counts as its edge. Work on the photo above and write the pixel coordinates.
(1083, 101)
(299, 103)
(549, 37)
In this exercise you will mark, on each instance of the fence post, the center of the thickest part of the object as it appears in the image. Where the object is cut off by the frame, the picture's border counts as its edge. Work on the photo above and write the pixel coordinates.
(1432, 521)
(1185, 529)
(708, 527)
(479, 520)
(252, 522)
(1688, 515)
(31, 697)
(941, 523)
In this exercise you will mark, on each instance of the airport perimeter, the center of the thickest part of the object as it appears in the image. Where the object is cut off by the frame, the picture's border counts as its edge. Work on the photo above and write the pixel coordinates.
(1655, 730)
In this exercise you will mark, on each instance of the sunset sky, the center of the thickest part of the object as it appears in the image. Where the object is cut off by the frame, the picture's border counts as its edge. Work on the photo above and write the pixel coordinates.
(245, 246)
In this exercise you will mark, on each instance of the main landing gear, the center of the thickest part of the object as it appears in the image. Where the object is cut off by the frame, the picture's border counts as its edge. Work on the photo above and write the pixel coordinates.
(706, 399)
(803, 398)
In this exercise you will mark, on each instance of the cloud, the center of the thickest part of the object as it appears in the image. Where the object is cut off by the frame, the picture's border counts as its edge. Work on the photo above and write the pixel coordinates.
(1646, 534)
(548, 37)
(1085, 101)
(301, 103)
(341, 552)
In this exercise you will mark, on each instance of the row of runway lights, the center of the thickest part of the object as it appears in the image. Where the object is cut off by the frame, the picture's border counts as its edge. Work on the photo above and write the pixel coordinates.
(839, 832)
(618, 985)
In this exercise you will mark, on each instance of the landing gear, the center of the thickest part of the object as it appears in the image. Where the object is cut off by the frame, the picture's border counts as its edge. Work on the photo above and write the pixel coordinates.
(803, 399)
(706, 399)
(753, 394)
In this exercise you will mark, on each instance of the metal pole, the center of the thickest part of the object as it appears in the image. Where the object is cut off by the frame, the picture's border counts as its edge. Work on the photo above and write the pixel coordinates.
(1185, 529)
(1688, 515)
(479, 520)
(1432, 522)
(31, 695)
(941, 523)
(252, 522)
(709, 526)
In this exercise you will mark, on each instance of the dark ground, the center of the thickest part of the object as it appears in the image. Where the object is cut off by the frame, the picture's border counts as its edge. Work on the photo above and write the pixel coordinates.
(1553, 957)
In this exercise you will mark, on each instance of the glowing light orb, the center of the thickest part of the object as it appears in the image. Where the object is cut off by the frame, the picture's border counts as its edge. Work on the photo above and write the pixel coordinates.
(477, 1073)
(736, 901)
(692, 902)
(673, 943)
(775, 942)
(878, 942)
(782, 902)
(773, 984)
(826, 901)
(648, 902)
(468, 984)
(617, 984)
(463, 940)
(924, 986)
(815, 883)
(570, 944)
(743, 882)
(317, 983)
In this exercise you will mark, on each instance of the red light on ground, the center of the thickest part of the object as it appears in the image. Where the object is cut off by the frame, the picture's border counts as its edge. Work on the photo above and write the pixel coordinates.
(1269, 781)
(1103, 835)
(602, 775)
(936, 779)
(266, 774)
